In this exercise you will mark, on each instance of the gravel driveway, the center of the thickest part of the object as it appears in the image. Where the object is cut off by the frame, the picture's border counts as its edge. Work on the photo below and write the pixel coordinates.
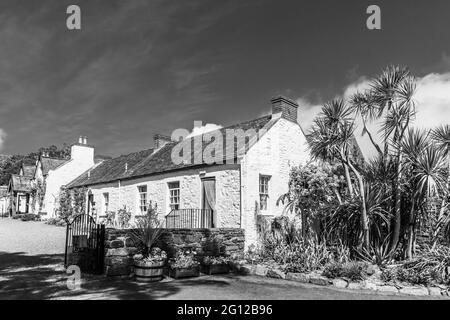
(31, 237)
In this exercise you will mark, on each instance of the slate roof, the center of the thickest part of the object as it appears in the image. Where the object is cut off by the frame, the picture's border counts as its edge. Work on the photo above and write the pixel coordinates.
(21, 183)
(28, 170)
(51, 164)
(146, 162)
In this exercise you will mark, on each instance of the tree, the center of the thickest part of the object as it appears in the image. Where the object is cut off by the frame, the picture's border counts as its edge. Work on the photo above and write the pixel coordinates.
(331, 139)
(390, 98)
(427, 177)
(441, 139)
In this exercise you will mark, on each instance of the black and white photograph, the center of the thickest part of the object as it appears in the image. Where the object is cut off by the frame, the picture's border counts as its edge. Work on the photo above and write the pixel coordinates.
(230, 152)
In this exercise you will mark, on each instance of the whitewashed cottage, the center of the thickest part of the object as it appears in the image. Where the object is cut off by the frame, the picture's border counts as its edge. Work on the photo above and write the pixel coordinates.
(52, 174)
(226, 194)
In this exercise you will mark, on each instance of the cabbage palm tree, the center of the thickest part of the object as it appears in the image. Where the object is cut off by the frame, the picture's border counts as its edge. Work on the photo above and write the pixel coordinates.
(331, 138)
(427, 169)
(441, 139)
(390, 98)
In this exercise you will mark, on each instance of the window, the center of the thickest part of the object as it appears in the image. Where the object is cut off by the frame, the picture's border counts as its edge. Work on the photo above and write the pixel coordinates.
(263, 191)
(174, 195)
(105, 202)
(142, 199)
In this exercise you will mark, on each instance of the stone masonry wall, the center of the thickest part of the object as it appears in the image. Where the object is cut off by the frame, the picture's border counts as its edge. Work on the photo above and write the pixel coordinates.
(120, 247)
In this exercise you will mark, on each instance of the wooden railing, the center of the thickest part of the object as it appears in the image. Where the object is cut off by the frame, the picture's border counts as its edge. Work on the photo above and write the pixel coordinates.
(190, 219)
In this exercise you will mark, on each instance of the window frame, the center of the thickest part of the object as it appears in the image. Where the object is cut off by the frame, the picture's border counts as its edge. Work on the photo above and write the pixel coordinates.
(105, 202)
(176, 195)
(142, 199)
(263, 188)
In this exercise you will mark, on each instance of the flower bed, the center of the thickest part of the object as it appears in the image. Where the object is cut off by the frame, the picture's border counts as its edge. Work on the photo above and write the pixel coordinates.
(372, 279)
(216, 265)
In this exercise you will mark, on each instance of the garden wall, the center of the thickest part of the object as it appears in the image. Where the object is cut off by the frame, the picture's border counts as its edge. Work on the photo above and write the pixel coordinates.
(120, 248)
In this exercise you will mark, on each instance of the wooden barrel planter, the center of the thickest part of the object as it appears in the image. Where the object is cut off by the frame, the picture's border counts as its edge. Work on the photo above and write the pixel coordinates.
(221, 268)
(190, 272)
(148, 271)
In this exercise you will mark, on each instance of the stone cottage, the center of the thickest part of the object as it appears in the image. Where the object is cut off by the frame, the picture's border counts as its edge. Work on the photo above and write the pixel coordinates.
(52, 174)
(20, 190)
(229, 191)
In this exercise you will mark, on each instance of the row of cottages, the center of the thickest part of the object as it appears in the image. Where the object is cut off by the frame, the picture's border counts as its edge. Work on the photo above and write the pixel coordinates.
(36, 188)
(226, 193)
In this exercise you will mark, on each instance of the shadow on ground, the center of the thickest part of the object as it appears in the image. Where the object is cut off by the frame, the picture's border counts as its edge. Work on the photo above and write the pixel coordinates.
(44, 277)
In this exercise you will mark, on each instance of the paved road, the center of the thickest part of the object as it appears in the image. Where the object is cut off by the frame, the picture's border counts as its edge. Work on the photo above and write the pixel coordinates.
(31, 267)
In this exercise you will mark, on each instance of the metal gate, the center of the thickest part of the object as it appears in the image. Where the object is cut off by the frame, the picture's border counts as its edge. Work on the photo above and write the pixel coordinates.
(85, 244)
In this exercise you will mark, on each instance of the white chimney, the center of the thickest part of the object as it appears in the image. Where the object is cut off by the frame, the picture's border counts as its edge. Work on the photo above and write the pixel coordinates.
(82, 152)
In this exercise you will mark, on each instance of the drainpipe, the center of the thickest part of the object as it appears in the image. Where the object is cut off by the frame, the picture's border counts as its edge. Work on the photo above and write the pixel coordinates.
(120, 197)
(240, 193)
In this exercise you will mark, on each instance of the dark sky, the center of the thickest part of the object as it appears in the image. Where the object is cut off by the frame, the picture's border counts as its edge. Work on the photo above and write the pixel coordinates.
(142, 67)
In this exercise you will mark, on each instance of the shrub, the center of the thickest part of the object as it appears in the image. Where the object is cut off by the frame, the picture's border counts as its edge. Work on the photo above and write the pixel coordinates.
(303, 256)
(429, 267)
(123, 217)
(30, 217)
(354, 271)
(56, 222)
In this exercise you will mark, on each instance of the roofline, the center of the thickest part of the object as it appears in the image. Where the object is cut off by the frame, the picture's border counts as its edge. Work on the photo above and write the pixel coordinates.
(274, 119)
(193, 166)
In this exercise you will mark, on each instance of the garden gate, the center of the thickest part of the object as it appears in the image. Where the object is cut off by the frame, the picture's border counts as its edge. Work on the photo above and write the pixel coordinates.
(85, 244)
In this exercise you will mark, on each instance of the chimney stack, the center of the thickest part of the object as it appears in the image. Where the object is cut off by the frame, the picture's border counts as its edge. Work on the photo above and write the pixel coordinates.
(82, 140)
(160, 140)
(287, 108)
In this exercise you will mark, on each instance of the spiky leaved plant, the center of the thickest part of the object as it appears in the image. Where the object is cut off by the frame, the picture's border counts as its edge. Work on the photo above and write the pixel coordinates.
(147, 230)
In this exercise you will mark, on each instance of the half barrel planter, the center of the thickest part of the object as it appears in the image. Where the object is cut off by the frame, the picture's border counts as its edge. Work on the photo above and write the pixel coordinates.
(146, 271)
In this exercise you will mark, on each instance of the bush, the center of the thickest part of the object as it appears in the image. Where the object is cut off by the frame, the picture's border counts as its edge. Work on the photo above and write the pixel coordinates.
(30, 217)
(56, 222)
(354, 271)
(26, 217)
(429, 267)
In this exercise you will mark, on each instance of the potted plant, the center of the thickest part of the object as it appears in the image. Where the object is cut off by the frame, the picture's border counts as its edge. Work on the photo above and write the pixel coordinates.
(184, 265)
(216, 265)
(149, 262)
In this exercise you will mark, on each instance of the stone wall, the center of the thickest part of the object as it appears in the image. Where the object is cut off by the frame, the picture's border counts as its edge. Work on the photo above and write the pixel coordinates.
(120, 247)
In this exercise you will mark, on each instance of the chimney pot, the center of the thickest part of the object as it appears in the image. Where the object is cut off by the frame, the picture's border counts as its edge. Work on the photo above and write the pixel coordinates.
(80, 140)
(85, 140)
(160, 140)
(285, 106)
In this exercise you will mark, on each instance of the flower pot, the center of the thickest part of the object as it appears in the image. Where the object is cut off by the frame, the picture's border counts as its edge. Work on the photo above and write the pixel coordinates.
(148, 271)
(221, 268)
(189, 272)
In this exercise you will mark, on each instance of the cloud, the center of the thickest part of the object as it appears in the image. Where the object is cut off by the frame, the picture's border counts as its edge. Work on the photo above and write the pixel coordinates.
(198, 130)
(432, 98)
(2, 138)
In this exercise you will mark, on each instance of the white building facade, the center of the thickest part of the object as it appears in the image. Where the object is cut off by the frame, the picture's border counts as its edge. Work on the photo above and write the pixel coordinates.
(53, 174)
(236, 191)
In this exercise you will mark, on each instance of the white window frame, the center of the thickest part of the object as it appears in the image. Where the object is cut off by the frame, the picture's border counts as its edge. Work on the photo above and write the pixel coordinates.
(142, 199)
(263, 185)
(105, 202)
(174, 195)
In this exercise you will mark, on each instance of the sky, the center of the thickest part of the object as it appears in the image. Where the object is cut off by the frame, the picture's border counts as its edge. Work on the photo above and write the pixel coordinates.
(138, 67)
